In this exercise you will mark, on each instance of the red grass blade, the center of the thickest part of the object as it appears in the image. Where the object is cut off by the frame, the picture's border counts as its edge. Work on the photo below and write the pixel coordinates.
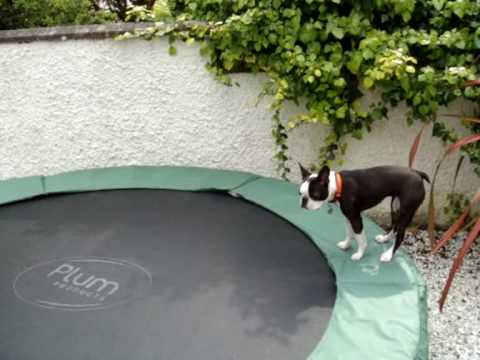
(431, 207)
(476, 198)
(448, 235)
(469, 225)
(431, 218)
(472, 82)
(457, 171)
(471, 119)
(415, 145)
(453, 115)
(466, 140)
(463, 117)
(458, 261)
(414, 230)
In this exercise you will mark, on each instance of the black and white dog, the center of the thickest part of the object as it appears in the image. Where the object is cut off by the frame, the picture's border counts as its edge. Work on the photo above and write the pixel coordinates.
(358, 190)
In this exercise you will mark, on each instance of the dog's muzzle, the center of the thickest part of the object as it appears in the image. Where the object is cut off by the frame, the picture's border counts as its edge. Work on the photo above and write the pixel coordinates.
(304, 202)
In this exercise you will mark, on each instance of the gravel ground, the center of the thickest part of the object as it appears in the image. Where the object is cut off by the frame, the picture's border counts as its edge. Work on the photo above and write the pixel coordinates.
(455, 333)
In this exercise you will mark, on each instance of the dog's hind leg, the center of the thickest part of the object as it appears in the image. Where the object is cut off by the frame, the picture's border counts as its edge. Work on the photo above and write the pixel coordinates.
(405, 216)
(400, 235)
(384, 238)
(394, 208)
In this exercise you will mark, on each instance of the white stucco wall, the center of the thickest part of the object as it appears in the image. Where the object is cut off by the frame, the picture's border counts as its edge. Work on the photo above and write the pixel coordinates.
(69, 105)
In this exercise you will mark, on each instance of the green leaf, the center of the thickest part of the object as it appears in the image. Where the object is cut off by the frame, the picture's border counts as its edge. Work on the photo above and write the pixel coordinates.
(378, 113)
(338, 33)
(308, 34)
(228, 65)
(460, 44)
(476, 38)
(172, 50)
(341, 112)
(355, 61)
(357, 134)
(300, 58)
(405, 83)
(367, 54)
(204, 48)
(410, 69)
(424, 110)
(272, 37)
(339, 82)
(438, 4)
(368, 82)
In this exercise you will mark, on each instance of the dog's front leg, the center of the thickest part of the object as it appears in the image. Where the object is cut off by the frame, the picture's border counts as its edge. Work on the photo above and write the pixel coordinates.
(360, 237)
(345, 244)
(362, 246)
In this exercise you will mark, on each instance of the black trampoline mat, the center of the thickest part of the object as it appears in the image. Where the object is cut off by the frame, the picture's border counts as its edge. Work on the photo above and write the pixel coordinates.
(157, 275)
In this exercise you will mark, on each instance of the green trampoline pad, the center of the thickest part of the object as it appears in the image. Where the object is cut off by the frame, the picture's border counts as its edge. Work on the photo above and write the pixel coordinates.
(379, 310)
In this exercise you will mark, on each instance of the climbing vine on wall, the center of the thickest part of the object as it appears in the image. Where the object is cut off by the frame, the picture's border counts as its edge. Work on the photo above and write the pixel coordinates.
(330, 52)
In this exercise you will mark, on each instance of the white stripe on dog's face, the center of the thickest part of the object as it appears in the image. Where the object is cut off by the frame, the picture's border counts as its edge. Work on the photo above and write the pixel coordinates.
(306, 184)
(306, 202)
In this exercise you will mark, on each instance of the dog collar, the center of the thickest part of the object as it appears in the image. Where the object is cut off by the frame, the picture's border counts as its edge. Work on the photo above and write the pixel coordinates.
(338, 187)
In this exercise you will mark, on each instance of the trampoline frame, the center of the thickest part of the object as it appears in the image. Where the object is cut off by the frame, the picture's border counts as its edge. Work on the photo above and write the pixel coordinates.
(380, 310)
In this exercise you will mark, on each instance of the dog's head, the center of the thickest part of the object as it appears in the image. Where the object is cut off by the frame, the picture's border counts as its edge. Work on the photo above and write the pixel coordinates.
(316, 188)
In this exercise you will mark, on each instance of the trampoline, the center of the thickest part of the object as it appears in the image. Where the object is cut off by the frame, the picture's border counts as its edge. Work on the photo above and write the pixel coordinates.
(179, 263)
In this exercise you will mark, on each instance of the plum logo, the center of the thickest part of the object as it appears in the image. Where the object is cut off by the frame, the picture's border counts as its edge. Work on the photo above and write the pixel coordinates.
(74, 278)
(82, 283)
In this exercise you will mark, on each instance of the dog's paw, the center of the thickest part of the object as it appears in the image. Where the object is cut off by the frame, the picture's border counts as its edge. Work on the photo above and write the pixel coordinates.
(386, 256)
(357, 256)
(344, 245)
(382, 238)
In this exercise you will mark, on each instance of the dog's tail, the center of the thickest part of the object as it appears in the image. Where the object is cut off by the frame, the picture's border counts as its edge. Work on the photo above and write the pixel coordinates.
(423, 176)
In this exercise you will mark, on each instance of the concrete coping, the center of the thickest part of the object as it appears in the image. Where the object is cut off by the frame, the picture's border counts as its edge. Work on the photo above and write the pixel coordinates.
(101, 31)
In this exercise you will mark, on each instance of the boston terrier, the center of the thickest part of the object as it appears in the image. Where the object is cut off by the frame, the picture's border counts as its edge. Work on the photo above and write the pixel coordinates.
(358, 190)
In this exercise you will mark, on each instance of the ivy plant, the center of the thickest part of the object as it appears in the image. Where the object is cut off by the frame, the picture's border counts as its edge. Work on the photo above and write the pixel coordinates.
(330, 52)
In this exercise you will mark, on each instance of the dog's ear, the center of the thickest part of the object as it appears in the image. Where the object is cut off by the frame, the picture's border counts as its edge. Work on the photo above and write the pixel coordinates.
(323, 174)
(305, 172)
